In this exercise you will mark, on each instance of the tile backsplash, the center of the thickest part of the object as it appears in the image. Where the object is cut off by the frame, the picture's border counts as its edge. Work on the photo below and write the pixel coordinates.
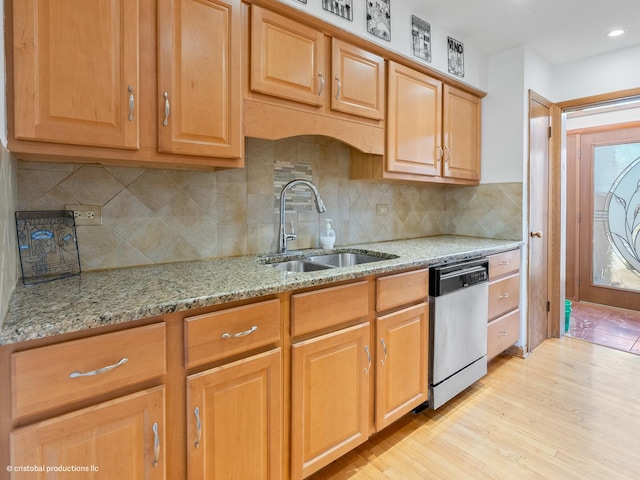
(157, 216)
(8, 239)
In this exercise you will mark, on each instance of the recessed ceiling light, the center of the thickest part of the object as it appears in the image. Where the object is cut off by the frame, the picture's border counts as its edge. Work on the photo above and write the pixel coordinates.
(617, 32)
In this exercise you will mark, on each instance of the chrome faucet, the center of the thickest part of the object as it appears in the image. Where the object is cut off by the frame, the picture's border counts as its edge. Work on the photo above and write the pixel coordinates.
(283, 236)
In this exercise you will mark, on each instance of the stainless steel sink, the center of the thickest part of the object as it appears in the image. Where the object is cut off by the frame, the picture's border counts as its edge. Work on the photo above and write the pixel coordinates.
(298, 266)
(345, 259)
(314, 263)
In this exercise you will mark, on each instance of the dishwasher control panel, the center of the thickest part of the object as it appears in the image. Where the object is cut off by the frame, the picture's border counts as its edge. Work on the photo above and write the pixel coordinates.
(455, 276)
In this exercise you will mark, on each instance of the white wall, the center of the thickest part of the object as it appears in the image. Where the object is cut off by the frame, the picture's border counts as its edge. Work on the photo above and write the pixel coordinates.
(610, 72)
(475, 62)
(503, 113)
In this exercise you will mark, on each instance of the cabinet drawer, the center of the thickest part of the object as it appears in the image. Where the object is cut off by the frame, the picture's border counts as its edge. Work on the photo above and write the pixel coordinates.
(216, 335)
(504, 263)
(328, 307)
(400, 289)
(49, 377)
(504, 295)
(502, 333)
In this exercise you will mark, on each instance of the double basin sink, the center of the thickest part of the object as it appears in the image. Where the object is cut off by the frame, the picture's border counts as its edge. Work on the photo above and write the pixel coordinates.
(314, 263)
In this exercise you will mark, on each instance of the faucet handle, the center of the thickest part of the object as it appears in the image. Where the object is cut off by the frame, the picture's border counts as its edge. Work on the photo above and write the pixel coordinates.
(292, 235)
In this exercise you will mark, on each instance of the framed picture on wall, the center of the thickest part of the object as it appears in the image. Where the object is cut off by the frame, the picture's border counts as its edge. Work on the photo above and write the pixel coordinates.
(342, 8)
(455, 50)
(379, 18)
(421, 38)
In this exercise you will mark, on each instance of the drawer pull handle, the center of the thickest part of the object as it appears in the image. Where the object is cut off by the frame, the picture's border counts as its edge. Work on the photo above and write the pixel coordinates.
(240, 334)
(504, 263)
(156, 445)
(196, 412)
(108, 368)
(504, 295)
(366, 349)
(502, 333)
(321, 83)
(339, 88)
(384, 346)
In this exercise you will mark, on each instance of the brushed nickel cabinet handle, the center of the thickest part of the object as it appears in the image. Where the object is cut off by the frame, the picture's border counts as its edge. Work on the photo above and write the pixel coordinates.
(108, 368)
(321, 83)
(504, 295)
(502, 333)
(446, 149)
(384, 346)
(504, 263)
(339, 88)
(240, 334)
(131, 103)
(167, 109)
(440, 154)
(156, 445)
(196, 412)
(366, 349)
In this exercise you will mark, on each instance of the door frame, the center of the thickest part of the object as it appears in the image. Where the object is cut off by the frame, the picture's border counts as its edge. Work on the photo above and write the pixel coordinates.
(558, 205)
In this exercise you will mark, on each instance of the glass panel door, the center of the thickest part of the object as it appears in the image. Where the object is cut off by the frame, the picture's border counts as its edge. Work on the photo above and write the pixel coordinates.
(610, 218)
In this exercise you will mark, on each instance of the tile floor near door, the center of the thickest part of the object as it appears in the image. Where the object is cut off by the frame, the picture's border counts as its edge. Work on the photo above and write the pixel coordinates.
(608, 326)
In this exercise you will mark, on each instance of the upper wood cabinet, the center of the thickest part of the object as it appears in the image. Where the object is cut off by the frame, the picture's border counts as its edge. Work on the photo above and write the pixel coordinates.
(300, 81)
(433, 132)
(461, 134)
(199, 77)
(76, 72)
(414, 130)
(134, 82)
(357, 81)
(287, 58)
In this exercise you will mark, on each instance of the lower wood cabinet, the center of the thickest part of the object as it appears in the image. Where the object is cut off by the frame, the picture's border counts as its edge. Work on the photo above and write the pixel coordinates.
(503, 329)
(122, 438)
(234, 418)
(401, 363)
(330, 397)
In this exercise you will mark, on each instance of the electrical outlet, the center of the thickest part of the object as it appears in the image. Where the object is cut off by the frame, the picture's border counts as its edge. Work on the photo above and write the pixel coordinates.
(382, 209)
(86, 214)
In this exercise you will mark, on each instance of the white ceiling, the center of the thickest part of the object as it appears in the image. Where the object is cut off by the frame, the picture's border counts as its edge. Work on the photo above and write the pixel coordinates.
(561, 31)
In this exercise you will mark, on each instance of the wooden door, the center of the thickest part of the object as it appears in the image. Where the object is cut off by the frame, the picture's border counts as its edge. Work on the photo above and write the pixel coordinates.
(609, 260)
(234, 420)
(75, 72)
(539, 153)
(199, 77)
(357, 81)
(573, 218)
(122, 438)
(287, 58)
(402, 363)
(414, 123)
(330, 397)
(461, 130)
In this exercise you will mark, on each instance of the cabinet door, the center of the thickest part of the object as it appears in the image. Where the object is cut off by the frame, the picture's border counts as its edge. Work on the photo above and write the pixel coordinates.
(461, 119)
(357, 83)
(402, 363)
(122, 438)
(75, 72)
(414, 123)
(234, 420)
(330, 397)
(199, 79)
(287, 58)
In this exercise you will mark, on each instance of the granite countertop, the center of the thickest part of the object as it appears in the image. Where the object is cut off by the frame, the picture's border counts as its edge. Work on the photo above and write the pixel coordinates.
(98, 298)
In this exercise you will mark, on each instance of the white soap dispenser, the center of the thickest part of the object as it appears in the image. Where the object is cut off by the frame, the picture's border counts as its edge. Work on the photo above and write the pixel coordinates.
(327, 235)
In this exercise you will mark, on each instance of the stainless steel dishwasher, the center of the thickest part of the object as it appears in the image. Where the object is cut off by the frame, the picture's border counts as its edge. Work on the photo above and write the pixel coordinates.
(459, 297)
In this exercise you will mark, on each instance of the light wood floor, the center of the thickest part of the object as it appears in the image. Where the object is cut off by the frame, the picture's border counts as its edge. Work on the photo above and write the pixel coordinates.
(571, 410)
